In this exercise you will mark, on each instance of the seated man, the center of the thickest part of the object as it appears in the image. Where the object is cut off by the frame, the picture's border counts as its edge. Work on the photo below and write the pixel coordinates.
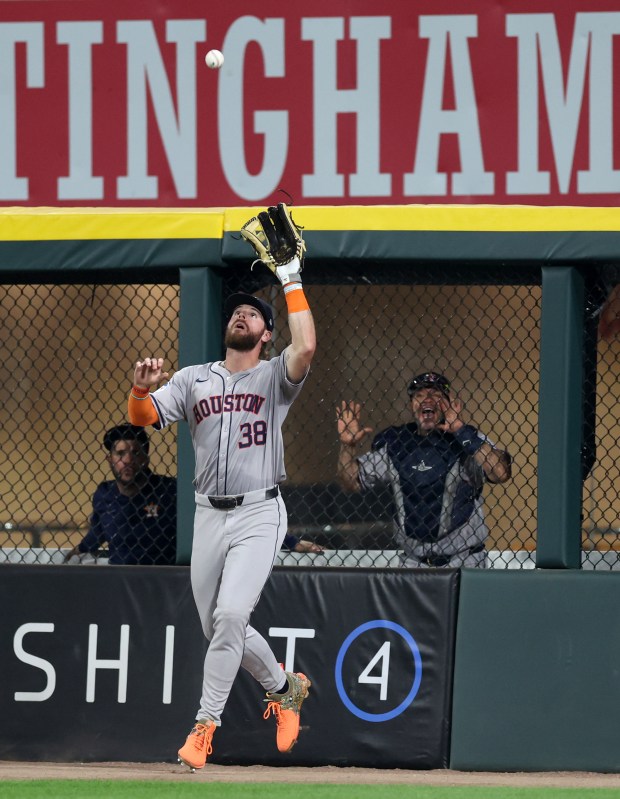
(135, 513)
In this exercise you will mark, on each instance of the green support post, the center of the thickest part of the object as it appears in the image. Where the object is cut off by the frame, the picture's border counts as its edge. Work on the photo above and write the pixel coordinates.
(560, 419)
(200, 341)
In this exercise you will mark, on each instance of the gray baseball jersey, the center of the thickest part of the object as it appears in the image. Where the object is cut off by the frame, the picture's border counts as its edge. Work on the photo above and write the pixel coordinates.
(235, 422)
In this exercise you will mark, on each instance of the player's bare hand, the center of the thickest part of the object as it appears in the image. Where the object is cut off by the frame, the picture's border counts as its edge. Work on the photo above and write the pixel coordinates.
(350, 429)
(307, 546)
(451, 409)
(149, 373)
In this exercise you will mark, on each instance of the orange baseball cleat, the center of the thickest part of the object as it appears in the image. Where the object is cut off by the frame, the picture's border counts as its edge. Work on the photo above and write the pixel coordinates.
(286, 708)
(197, 747)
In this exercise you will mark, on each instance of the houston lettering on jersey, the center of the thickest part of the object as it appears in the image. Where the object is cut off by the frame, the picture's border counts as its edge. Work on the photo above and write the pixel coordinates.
(250, 403)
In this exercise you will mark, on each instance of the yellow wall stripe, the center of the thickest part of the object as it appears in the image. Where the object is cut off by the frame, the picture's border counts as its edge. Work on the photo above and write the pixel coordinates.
(71, 224)
(75, 224)
(489, 218)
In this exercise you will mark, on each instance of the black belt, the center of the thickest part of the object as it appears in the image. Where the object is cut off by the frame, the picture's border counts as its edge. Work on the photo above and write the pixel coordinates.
(442, 560)
(229, 502)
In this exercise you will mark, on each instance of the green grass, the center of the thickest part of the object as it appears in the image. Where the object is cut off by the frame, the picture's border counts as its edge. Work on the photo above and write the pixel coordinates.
(121, 789)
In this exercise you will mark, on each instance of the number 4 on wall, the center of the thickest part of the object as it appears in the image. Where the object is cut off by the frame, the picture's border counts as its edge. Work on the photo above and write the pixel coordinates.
(382, 654)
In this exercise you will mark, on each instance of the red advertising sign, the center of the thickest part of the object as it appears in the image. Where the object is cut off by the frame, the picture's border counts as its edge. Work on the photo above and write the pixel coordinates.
(407, 101)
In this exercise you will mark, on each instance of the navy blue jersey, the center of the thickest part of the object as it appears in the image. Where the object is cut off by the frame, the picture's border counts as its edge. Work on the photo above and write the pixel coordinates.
(140, 529)
(437, 486)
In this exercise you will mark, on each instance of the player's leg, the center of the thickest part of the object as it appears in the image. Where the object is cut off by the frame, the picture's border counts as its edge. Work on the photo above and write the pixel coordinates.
(285, 691)
(208, 558)
(249, 542)
(209, 550)
(259, 660)
(253, 536)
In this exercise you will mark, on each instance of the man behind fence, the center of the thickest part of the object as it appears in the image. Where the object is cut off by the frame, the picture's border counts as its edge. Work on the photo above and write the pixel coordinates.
(135, 514)
(436, 465)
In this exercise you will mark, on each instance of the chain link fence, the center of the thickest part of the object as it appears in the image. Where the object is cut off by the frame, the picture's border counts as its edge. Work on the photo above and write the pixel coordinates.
(68, 353)
(375, 332)
(601, 494)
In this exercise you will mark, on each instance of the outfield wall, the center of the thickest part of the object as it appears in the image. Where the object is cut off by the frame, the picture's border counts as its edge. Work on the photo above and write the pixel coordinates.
(106, 664)
(418, 669)
(533, 653)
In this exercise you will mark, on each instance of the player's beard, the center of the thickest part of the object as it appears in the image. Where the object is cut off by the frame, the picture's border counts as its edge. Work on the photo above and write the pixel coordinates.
(241, 340)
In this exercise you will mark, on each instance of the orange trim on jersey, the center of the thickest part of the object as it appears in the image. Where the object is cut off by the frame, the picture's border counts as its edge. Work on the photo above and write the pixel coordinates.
(141, 410)
(296, 301)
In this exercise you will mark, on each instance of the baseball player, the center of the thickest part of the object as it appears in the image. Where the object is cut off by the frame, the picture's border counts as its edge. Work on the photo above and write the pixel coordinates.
(235, 409)
(436, 466)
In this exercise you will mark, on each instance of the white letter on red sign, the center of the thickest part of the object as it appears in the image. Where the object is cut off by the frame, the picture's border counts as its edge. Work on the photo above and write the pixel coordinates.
(537, 38)
(31, 33)
(273, 125)
(328, 102)
(601, 177)
(80, 184)
(537, 33)
(145, 66)
(435, 121)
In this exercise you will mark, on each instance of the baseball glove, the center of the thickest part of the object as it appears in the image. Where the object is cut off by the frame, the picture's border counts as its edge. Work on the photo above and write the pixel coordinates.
(275, 237)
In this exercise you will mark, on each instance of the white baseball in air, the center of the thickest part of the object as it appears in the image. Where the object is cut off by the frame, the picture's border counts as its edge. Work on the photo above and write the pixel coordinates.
(214, 59)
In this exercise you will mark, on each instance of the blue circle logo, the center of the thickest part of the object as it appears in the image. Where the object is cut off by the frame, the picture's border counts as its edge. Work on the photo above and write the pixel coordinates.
(417, 679)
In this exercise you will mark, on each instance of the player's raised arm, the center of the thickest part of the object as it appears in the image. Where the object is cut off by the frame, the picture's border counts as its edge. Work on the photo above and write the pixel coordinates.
(351, 433)
(495, 462)
(303, 335)
(278, 243)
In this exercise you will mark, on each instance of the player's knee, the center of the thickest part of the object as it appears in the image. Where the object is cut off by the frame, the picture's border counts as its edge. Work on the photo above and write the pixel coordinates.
(231, 619)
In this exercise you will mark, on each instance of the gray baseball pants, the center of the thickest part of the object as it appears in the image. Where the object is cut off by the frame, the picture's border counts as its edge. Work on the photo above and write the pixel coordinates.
(232, 556)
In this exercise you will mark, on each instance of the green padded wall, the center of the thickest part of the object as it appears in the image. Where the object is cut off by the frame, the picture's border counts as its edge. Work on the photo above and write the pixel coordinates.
(537, 672)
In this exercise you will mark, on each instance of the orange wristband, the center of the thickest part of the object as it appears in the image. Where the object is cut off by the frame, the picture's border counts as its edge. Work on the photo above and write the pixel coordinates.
(296, 301)
(139, 412)
(140, 393)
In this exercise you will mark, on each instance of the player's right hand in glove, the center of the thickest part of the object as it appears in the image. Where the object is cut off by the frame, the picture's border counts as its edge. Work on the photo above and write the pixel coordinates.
(277, 242)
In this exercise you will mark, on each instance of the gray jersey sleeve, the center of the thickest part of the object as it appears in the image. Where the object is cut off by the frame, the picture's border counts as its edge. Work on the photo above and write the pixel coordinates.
(374, 468)
(235, 422)
(171, 400)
